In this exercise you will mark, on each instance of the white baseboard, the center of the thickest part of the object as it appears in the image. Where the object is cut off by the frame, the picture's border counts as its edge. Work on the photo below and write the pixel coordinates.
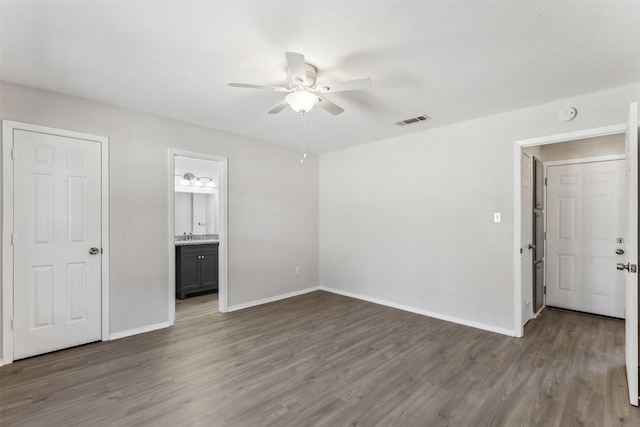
(440, 316)
(271, 299)
(141, 330)
(1, 362)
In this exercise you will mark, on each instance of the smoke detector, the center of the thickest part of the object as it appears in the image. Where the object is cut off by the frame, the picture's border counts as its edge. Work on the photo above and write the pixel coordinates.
(567, 114)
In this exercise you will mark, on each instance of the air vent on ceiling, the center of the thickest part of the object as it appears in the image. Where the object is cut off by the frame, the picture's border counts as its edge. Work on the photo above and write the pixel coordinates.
(413, 120)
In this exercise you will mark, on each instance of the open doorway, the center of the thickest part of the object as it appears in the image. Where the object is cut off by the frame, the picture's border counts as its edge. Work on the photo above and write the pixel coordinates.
(601, 143)
(573, 226)
(197, 235)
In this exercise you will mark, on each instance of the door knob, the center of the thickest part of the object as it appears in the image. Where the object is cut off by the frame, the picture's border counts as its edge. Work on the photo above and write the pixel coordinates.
(632, 268)
(619, 251)
(94, 251)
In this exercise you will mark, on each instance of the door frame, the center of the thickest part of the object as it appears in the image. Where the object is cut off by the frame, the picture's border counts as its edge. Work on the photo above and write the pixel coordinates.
(8, 128)
(223, 250)
(518, 327)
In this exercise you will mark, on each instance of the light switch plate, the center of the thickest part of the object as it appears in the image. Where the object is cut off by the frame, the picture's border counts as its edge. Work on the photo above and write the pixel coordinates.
(497, 217)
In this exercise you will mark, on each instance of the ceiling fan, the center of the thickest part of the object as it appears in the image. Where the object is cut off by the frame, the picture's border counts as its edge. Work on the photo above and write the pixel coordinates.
(303, 89)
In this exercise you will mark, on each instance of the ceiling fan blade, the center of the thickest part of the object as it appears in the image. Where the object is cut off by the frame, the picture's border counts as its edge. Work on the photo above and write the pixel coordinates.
(248, 86)
(329, 106)
(354, 84)
(279, 107)
(297, 69)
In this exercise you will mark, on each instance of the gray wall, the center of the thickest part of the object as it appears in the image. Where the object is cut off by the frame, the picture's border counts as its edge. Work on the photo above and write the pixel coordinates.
(584, 148)
(273, 203)
(421, 235)
(418, 235)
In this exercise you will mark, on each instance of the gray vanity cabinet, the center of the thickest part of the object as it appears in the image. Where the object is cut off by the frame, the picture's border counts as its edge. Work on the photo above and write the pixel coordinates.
(196, 269)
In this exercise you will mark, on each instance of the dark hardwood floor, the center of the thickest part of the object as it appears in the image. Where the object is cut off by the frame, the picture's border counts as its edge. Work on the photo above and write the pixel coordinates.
(325, 360)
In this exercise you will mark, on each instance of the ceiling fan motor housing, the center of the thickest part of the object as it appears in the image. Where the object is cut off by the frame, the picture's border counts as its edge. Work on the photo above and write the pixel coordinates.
(311, 72)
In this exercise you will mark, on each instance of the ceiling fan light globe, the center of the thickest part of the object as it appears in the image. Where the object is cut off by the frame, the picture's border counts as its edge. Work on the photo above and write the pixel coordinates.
(302, 101)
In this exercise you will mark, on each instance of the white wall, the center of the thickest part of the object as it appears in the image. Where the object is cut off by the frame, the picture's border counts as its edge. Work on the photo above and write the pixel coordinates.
(273, 203)
(421, 234)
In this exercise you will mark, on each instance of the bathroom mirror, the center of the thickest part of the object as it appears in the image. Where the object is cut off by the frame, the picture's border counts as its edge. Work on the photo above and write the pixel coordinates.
(195, 213)
(196, 196)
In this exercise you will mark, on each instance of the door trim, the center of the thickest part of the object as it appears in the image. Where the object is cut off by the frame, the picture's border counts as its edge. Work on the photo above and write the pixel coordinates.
(518, 328)
(8, 128)
(223, 249)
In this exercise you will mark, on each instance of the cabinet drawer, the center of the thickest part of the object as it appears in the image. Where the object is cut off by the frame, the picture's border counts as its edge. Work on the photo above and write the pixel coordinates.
(197, 249)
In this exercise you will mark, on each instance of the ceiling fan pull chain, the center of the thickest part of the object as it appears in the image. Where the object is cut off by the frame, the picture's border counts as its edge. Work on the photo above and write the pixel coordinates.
(303, 154)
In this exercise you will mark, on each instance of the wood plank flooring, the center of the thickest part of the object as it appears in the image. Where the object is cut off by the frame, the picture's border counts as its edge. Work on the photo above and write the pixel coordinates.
(196, 306)
(326, 360)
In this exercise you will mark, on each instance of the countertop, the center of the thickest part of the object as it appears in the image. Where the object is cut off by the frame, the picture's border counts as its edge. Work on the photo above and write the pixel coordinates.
(196, 242)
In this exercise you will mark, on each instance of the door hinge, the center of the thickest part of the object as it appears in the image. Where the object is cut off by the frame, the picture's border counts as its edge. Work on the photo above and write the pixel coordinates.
(545, 181)
(11, 238)
(13, 155)
(13, 324)
(544, 290)
(520, 250)
(545, 235)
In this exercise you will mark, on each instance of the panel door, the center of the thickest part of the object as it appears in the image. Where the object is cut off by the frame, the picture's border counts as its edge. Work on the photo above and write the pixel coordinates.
(526, 192)
(586, 214)
(190, 268)
(538, 289)
(57, 219)
(538, 176)
(209, 268)
(631, 245)
(538, 241)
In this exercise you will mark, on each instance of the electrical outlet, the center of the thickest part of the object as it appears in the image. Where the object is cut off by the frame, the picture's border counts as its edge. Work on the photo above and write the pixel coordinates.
(497, 217)
(297, 271)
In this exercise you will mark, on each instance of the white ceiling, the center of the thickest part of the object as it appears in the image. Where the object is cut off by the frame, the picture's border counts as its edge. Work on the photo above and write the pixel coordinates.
(453, 61)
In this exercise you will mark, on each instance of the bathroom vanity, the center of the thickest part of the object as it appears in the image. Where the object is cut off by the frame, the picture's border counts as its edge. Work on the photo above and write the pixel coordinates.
(196, 267)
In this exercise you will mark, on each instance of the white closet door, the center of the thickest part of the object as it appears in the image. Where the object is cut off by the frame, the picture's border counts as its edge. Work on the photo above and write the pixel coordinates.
(57, 220)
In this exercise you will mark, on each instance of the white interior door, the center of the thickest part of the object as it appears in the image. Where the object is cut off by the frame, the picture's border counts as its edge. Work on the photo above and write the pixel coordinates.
(57, 220)
(527, 238)
(631, 279)
(585, 217)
